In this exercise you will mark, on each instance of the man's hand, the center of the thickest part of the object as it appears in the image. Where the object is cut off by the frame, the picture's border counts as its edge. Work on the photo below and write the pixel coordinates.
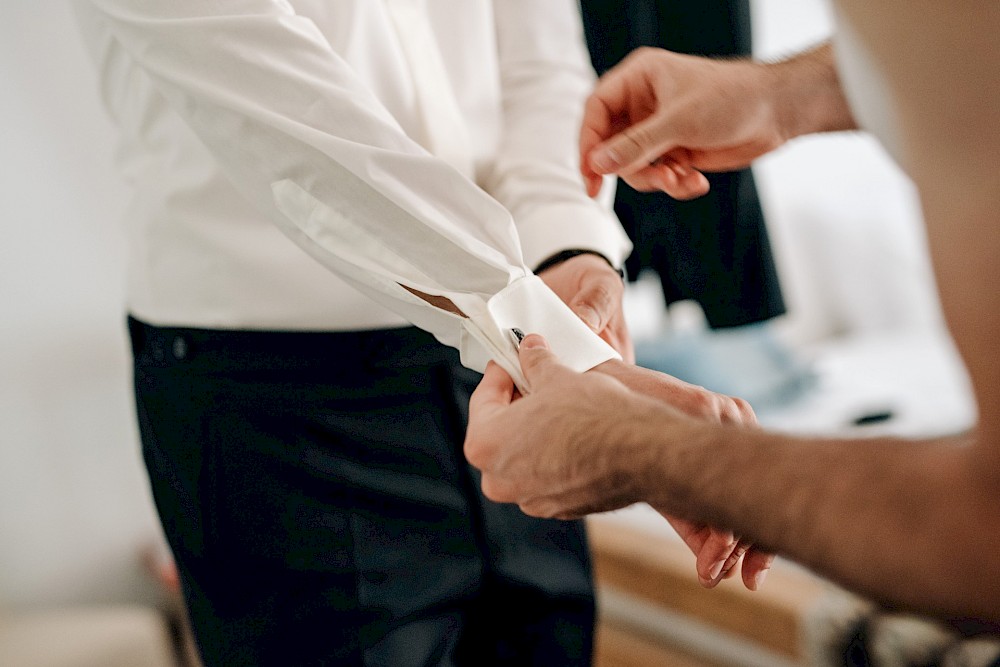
(659, 119)
(594, 291)
(556, 452)
(688, 398)
(570, 448)
(718, 552)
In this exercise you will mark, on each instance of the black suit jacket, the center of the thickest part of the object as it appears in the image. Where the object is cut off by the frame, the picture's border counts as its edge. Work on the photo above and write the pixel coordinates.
(714, 249)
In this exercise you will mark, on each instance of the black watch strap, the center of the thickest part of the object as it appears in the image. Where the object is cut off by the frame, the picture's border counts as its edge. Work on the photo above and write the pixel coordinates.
(561, 257)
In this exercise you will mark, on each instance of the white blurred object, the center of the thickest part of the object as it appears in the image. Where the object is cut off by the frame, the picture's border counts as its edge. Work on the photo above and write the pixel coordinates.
(74, 500)
(849, 239)
(909, 384)
(844, 220)
(781, 27)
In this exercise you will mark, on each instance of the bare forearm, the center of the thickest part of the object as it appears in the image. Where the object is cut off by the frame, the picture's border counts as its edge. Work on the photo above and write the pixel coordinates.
(889, 518)
(807, 93)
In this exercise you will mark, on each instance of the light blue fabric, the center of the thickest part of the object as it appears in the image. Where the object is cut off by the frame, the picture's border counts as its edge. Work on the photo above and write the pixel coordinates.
(748, 362)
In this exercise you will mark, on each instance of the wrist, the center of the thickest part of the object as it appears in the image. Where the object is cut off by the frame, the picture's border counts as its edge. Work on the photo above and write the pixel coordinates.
(670, 443)
(807, 96)
(635, 446)
(651, 431)
(642, 430)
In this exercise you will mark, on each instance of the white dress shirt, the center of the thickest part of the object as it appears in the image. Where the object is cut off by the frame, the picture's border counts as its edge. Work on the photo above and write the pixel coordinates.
(425, 143)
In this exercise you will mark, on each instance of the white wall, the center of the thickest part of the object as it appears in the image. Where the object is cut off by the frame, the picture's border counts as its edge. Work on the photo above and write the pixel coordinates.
(844, 219)
(74, 506)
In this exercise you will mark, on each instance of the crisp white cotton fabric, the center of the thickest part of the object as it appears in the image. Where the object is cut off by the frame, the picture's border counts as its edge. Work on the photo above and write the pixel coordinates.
(426, 143)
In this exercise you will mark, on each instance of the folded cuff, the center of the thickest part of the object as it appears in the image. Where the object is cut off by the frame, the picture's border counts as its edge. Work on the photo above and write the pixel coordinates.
(527, 304)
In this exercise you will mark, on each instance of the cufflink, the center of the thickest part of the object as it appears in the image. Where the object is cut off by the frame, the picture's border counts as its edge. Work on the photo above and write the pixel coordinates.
(516, 336)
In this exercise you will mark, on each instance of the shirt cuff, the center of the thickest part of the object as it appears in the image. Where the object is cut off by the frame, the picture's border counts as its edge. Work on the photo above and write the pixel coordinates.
(584, 225)
(527, 304)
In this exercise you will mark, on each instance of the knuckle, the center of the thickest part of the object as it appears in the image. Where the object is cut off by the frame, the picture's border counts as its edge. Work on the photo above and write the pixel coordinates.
(640, 135)
(600, 295)
(644, 53)
(493, 490)
(735, 410)
(593, 104)
(728, 541)
(532, 359)
(474, 454)
(746, 412)
(704, 404)
(611, 283)
(730, 411)
(537, 509)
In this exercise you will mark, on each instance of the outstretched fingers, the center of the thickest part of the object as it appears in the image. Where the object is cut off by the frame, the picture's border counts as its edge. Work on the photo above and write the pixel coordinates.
(756, 565)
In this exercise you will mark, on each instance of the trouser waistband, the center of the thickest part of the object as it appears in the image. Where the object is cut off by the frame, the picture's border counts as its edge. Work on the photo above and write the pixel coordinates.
(160, 346)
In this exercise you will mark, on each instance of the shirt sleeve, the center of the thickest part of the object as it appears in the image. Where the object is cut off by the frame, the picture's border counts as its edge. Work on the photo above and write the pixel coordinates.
(302, 138)
(546, 77)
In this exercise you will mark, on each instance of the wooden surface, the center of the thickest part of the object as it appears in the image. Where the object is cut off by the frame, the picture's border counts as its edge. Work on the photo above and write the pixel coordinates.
(618, 645)
(655, 569)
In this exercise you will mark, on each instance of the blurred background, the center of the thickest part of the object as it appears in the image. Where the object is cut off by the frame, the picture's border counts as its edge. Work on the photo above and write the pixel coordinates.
(862, 341)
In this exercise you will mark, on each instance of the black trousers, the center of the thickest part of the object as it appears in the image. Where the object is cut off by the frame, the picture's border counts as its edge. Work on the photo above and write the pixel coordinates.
(714, 249)
(313, 490)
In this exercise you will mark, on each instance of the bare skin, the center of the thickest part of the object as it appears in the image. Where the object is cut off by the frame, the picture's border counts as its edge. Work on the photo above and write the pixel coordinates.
(911, 524)
(594, 291)
(652, 121)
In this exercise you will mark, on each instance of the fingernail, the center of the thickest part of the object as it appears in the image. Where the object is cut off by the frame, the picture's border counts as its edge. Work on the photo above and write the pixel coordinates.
(517, 336)
(759, 578)
(532, 341)
(716, 570)
(590, 316)
(606, 160)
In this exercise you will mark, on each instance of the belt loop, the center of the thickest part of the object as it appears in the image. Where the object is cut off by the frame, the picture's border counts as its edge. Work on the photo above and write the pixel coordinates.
(137, 336)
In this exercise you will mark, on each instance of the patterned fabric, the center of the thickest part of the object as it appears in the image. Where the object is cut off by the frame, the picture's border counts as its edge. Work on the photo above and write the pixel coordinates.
(893, 640)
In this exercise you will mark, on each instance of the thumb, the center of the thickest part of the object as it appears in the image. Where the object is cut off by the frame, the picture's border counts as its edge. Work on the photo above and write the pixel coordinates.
(494, 391)
(633, 148)
(537, 361)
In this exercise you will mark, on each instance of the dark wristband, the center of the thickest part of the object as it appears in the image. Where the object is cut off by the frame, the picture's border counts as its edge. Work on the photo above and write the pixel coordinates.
(561, 257)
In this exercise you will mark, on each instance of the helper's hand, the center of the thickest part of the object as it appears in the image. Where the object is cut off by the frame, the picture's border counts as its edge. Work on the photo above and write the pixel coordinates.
(688, 398)
(590, 287)
(659, 118)
(594, 291)
(556, 452)
(569, 448)
(718, 552)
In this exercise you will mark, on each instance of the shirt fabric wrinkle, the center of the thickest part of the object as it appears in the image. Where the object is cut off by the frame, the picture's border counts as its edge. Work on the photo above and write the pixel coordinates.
(279, 93)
